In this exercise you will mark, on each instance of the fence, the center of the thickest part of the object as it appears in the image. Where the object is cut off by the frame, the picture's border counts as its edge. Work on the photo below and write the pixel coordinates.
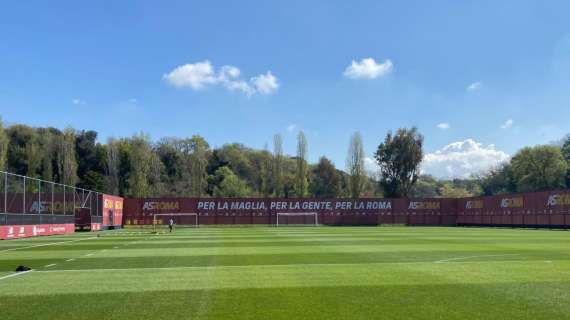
(29, 201)
(540, 209)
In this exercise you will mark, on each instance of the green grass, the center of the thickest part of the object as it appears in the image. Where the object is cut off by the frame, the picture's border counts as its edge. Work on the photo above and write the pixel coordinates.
(290, 273)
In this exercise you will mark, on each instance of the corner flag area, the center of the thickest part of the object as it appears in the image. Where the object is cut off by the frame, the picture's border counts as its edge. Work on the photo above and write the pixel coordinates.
(289, 273)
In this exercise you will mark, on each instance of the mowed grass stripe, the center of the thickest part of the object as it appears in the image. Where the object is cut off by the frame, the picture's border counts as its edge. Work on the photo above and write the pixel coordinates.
(451, 301)
(287, 276)
(340, 251)
(192, 244)
(106, 259)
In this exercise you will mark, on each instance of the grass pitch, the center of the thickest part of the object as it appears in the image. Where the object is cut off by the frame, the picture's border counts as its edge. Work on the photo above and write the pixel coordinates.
(290, 273)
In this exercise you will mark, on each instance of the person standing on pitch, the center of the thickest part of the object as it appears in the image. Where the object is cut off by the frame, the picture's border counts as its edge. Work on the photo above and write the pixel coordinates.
(170, 225)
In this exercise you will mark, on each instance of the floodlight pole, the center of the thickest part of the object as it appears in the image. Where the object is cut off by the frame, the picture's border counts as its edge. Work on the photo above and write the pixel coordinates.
(40, 200)
(24, 197)
(5, 192)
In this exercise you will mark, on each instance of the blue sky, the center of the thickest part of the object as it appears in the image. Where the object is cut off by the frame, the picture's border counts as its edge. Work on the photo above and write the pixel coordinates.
(480, 79)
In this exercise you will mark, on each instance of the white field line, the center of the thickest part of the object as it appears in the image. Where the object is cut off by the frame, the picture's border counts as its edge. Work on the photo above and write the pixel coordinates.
(45, 244)
(69, 260)
(50, 265)
(235, 267)
(15, 274)
(100, 251)
(474, 257)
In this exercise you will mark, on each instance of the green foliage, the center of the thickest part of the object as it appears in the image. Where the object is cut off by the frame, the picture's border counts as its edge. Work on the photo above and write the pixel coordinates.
(22, 150)
(426, 187)
(448, 190)
(566, 154)
(227, 184)
(355, 166)
(301, 182)
(93, 181)
(539, 168)
(112, 165)
(66, 157)
(140, 166)
(430, 187)
(325, 180)
(498, 180)
(3, 146)
(187, 166)
(399, 158)
(277, 170)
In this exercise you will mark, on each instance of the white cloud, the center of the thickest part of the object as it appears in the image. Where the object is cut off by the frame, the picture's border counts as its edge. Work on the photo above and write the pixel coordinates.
(195, 76)
(78, 102)
(508, 124)
(202, 74)
(443, 126)
(461, 159)
(229, 72)
(368, 68)
(265, 83)
(371, 166)
(239, 85)
(474, 86)
(291, 127)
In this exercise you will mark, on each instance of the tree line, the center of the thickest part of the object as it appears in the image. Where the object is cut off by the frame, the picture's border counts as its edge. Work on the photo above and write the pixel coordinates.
(137, 167)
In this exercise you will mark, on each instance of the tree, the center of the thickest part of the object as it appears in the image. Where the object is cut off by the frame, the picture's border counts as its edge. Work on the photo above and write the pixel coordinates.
(47, 138)
(140, 166)
(449, 190)
(325, 180)
(566, 154)
(3, 147)
(67, 162)
(498, 180)
(426, 187)
(91, 157)
(228, 184)
(93, 181)
(265, 160)
(301, 174)
(112, 166)
(23, 155)
(278, 165)
(539, 168)
(355, 166)
(399, 158)
(198, 164)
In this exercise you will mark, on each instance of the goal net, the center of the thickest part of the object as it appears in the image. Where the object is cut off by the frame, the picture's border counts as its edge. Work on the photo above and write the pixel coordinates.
(162, 220)
(297, 219)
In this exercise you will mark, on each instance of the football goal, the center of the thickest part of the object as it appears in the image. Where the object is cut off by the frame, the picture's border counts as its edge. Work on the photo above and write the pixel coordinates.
(297, 219)
(180, 220)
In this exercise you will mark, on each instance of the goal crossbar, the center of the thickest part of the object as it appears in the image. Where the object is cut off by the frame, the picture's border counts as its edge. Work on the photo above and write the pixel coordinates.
(297, 214)
(178, 214)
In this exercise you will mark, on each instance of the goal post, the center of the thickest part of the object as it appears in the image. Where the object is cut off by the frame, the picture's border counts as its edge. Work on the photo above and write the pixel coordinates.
(189, 219)
(283, 218)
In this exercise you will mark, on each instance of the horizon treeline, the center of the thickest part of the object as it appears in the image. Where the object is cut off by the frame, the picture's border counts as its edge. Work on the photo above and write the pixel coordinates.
(189, 167)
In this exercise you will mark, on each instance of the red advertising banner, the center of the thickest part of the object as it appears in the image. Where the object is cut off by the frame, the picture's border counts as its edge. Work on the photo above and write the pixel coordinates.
(525, 209)
(25, 231)
(112, 210)
(261, 211)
